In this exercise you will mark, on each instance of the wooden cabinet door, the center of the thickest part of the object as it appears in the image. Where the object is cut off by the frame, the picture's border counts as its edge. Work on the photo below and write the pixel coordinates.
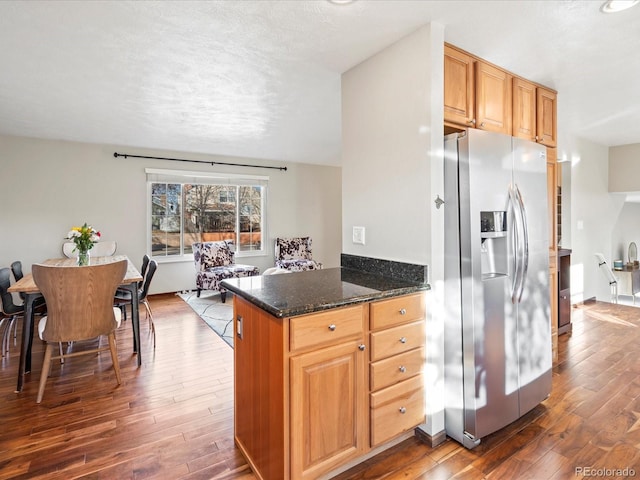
(329, 409)
(524, 109)
(458, 87)
(546, 117)
(493, 98)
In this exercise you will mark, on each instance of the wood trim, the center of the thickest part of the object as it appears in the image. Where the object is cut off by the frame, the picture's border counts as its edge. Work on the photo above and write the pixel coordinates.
(259, 374)
(431, 440)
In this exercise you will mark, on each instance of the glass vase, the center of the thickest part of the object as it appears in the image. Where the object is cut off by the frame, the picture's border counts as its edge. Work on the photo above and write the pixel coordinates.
(83, 258)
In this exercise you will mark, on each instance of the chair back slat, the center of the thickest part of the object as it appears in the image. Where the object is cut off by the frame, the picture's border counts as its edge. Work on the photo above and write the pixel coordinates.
(79, 299)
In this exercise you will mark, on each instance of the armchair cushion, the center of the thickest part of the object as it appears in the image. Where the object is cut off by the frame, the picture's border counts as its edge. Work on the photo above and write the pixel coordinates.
(294, 254)
(214, 262)
(298, 265)
(293, 248)
(212, 254)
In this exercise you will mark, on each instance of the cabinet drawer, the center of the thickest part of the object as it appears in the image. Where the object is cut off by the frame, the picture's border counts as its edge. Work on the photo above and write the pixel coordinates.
(397, 409)
(397, 368)
(388, 313)
(327, 327)
(397, 340)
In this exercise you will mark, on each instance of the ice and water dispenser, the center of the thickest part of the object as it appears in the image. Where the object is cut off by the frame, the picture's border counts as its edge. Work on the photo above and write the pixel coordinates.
(493, 249)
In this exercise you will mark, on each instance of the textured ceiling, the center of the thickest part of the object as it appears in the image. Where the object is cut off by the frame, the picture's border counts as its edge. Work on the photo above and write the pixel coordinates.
(262, 78)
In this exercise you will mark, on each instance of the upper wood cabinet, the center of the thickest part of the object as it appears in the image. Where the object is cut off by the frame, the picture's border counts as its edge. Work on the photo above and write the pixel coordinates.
(547, 117)
(480, 95)
(534, 112)
(458, 87)
(493, 98)
(476, 94)
(524, 109)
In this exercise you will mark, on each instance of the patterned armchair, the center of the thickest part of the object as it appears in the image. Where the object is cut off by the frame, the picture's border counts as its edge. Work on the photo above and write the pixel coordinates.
(294, 254)
(214, 262)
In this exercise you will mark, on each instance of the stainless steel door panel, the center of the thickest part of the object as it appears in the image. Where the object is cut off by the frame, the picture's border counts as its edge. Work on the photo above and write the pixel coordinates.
(496, 381)
(454, 392)
(534, 311)
(490, 374)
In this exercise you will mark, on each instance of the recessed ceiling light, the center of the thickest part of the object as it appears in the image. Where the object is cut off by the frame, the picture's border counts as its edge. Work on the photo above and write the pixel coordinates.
(613, 6)
(343, 2)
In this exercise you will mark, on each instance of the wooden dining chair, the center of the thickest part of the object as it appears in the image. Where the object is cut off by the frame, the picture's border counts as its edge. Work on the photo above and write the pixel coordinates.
(79, 307)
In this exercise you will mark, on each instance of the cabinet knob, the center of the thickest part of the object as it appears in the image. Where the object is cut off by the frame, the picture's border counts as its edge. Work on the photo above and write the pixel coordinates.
(403, 311)
(332, 327)
(402, 369)
(362, 347)
(472, 121)
(402, 410)
(403, 339)
(482, 124)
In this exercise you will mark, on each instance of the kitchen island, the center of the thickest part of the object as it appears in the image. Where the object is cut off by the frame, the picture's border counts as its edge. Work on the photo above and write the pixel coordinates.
(328, 369)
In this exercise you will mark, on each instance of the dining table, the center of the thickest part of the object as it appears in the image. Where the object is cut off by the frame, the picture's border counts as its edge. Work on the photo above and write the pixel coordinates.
(27, 286)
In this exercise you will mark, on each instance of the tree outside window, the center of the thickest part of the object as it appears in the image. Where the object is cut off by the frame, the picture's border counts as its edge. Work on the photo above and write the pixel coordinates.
(186, 213)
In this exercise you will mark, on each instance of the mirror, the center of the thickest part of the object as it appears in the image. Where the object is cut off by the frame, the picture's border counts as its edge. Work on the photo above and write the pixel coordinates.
(633, 252)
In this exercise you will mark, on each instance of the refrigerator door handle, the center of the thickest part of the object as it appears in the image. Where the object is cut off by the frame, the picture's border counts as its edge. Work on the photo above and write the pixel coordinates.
(513, 204)
(525, 243)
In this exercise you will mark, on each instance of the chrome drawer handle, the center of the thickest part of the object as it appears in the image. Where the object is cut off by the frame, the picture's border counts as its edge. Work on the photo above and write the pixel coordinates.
(362, 347)
(403, 340)
(403, 311)
(402, 369)
(332, 327)
(402, 410)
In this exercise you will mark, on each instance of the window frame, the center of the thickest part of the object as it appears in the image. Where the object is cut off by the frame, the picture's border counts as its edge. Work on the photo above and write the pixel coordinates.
(183, 177)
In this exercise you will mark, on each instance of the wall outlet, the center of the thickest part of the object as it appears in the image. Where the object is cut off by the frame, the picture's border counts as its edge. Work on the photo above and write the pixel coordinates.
(358, 235)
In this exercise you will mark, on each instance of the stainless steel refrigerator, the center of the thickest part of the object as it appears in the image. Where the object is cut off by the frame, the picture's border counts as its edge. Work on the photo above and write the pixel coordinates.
(497, 327)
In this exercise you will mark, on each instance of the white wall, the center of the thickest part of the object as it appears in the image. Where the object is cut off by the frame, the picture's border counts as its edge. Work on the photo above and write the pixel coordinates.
(386, 134)
(392, 169)
(624, 168)
(49, 186)
(625, 231)
(594, 213)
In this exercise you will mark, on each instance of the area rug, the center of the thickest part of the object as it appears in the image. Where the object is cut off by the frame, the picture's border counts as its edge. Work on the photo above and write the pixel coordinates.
(218, 315)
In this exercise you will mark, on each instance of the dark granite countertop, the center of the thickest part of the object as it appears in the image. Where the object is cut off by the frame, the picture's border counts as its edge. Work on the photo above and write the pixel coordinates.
(288, 295)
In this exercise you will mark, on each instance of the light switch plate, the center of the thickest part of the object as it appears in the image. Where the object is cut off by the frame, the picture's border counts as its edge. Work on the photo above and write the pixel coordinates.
(358, 235)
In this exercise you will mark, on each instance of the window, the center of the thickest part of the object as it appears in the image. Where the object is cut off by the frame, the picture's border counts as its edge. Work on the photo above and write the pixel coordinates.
(188, 207)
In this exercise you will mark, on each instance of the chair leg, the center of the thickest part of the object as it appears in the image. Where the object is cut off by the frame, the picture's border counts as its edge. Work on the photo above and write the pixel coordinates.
(61, 353)
(46, 366)
(152, 326)
(114, 356)
(198, 292)
(4, 336)
(223, 296)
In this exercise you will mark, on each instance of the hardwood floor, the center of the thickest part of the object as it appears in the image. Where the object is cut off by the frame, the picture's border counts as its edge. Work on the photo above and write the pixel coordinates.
(173, 417)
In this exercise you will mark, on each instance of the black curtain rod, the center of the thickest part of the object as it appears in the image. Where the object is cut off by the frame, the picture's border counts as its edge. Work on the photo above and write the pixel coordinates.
(126, 155)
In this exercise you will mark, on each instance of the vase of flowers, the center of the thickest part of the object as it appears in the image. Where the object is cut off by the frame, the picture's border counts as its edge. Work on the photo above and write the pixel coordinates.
(84, 238)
